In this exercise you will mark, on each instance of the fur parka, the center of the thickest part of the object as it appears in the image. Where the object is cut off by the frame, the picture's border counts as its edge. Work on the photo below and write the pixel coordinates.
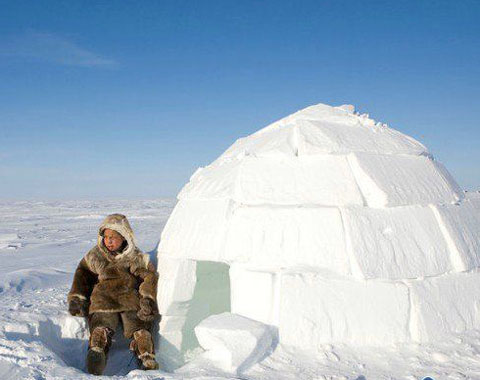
(114, 283)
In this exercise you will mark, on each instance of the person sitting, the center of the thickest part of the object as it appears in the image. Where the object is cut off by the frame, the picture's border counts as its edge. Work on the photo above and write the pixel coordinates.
(116, 282)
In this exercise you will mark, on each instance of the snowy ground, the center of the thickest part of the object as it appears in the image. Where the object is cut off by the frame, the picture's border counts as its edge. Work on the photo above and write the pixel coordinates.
(42, 242)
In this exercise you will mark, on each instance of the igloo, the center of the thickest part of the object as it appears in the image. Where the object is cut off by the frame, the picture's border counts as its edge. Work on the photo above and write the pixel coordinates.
(328, 226)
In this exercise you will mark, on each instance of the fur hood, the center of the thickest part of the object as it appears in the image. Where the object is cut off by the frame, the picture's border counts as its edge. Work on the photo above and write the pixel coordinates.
(118, 223)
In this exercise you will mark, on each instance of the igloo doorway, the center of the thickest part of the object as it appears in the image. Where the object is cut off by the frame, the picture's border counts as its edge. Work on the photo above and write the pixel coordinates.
(196, 290)
(211, 296)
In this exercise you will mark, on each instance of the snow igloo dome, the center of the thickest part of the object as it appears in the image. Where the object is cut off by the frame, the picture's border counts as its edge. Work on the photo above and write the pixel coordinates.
(329, 226)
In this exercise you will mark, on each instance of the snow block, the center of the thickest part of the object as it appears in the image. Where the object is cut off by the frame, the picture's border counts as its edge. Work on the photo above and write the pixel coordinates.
(270, 237)
(316, 309)
(171, 341)
(216, 181)
(397, 243)
(396, 180)
(255, 294)
(337, 136)
(68, 327)
(320, 180)
(169, 324)
(169, 350)
(274, 140)
(445, 305)
(234, 343)
(173, 299)
(462, 229)
(196, 229)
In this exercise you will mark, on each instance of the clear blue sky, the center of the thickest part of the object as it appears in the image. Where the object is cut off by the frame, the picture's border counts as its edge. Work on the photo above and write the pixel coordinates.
(127, 98)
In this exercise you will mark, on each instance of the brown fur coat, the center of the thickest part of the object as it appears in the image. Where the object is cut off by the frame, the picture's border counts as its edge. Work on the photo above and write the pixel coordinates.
(114, 283)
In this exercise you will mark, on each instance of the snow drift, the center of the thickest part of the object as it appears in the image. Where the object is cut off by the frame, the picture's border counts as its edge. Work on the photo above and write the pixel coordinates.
(328, 226)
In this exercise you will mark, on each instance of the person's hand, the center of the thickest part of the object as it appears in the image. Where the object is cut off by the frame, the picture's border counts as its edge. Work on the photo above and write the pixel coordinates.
(148, 309)
(78, 307)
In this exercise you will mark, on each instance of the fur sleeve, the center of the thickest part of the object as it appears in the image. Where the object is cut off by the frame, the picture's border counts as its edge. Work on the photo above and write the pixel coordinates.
(148, 279)
(83, 281)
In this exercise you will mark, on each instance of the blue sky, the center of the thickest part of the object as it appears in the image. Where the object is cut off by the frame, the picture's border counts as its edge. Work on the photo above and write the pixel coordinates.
(121, 99)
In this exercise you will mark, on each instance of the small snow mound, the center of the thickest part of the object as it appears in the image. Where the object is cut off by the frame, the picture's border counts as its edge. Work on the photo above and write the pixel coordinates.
(10, 241)
(67, 337)
(234, 343)
(32, 279)
(64, 336)
(8, 237)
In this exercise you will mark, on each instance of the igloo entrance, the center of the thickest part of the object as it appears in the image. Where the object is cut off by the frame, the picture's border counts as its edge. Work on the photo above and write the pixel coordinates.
(196, 290)
(211, 296)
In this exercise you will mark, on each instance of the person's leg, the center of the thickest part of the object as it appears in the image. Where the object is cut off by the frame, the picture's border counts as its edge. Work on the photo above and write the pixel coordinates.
(101, 326)
(142, 342)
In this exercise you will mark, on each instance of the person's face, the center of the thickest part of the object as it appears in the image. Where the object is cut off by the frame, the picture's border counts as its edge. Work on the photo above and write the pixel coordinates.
(112, 240)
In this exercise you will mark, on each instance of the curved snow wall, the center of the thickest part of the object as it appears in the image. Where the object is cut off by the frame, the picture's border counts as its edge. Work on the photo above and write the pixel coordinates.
(336, 229)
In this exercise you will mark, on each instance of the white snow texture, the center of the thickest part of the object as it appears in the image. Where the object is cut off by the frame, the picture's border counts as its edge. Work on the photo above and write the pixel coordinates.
(335, 228)
(234, 342)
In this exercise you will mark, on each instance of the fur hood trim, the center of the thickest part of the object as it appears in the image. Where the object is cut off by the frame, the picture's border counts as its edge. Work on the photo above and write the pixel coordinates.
(120, 224)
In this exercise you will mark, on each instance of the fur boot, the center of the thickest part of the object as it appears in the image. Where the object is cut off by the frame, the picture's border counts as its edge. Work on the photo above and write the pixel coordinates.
(99, 344)
(142, 345)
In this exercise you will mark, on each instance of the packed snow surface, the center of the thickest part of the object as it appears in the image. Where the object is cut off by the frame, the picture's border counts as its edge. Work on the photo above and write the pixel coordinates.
(39, 340)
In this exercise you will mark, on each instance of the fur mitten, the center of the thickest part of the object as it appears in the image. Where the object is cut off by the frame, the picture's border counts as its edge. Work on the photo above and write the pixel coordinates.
(148, 309)
(78, 307)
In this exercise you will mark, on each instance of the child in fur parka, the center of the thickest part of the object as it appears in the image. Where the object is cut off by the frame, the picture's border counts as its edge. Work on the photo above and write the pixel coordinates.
(116, 281)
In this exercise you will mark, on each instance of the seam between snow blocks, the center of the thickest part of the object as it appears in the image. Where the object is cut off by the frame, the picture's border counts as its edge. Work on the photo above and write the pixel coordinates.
(456, 260)
(296, 141)
(233, 206)
(349, 158)
(412, 325)
(355, 269)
